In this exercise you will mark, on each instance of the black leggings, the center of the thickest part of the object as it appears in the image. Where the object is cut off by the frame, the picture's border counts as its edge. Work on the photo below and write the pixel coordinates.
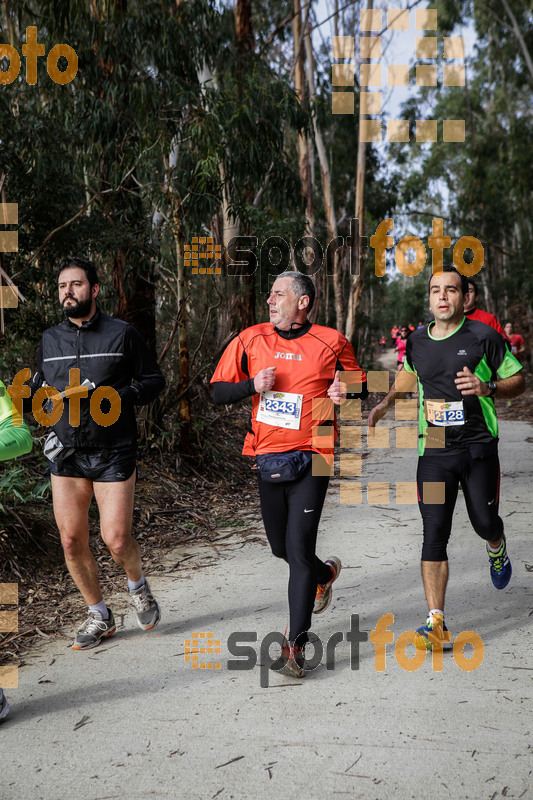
(291, 513)
(480, 481)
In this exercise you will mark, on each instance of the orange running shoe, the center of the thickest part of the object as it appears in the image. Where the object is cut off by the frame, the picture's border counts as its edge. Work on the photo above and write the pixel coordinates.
(324, 590)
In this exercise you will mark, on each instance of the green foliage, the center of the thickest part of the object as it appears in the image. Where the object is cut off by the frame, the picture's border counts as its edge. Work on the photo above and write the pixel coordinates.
(484, 186)
(17, 487)
(167, 122)
(406, 302)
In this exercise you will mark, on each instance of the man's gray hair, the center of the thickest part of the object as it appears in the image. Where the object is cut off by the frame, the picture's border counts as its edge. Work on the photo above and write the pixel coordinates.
(301, 284)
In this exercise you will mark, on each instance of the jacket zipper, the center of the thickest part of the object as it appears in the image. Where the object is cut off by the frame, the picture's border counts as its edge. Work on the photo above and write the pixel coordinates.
(78, 331)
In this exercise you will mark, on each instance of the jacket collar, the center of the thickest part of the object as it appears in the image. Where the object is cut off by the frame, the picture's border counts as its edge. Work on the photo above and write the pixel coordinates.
(294, 333)
(89, 323)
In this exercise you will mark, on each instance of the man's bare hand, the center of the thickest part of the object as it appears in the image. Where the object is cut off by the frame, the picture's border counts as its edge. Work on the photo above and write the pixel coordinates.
(377, 413)
(264, 380)
(468, 383)
(337, 390)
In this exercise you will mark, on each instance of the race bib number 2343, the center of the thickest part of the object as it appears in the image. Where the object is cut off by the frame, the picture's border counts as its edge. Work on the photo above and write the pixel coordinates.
(282, 409)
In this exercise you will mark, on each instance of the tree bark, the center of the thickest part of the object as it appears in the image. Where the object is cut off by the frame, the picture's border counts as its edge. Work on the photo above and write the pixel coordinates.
(243, 26)
(325, 175)
(184, 409)
(357, 281)
(243, 309)
(518, 34)
(304, 164)
(134, 287)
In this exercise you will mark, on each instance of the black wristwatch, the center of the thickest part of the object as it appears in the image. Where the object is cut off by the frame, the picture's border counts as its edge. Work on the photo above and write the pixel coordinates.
(492, 386)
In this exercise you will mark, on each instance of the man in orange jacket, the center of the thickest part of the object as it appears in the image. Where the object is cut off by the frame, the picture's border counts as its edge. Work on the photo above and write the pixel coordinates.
(287, 365)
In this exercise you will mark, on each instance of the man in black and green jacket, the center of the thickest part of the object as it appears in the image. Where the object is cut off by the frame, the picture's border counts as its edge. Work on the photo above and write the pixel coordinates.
(460, 366)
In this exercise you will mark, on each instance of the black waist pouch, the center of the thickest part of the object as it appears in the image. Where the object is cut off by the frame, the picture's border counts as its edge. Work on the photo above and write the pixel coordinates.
(280, 467)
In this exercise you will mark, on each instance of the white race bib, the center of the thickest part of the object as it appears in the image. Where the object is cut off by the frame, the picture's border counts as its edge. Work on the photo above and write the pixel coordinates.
(444, 414)
(281, 409)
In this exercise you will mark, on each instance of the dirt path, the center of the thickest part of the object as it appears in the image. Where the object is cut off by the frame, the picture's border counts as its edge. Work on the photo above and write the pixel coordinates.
(387, 359)
(132, 719)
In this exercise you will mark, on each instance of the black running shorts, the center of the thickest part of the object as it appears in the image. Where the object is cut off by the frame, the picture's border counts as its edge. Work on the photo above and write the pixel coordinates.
(100, 466)
(480, 481)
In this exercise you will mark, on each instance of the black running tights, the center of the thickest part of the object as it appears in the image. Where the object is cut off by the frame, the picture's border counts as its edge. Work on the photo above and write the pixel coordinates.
(480, 481)
(291, 513)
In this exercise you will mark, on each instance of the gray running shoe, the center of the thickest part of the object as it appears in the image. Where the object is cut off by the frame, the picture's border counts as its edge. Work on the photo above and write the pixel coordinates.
(93, 630)
(291, 661)
(324, 590)
(294, 657)
(4, 707)
(146, 607)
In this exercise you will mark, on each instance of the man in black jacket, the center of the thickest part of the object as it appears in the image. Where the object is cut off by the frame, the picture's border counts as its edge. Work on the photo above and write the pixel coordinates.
(92, 359)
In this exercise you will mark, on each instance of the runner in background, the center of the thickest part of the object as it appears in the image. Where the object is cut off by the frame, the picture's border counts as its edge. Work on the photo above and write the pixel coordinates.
(15, 440)
(287, 366)
(472, 312)
(518, 344)
(401, 344)
(394, 333)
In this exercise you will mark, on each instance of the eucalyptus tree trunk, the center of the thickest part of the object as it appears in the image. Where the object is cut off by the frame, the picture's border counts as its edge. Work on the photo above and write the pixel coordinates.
(243, 311)
(357, 281)
(184, 408)
(133, 273)
(304, 160)
(325, 175)
(178, 233)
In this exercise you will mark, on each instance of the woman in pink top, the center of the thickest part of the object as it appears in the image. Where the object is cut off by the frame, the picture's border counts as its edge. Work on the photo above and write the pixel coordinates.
(401, 344)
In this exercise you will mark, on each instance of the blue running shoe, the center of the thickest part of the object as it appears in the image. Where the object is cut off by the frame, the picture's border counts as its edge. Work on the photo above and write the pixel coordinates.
(435, 628)
(500, 566)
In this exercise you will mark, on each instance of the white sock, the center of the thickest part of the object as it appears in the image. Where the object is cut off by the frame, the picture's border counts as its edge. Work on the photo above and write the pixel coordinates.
(133, 585)
(101, 609)
(436, 611)
(497, 549)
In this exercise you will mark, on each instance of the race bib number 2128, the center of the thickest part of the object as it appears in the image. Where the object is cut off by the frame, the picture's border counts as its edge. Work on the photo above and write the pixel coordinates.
(445, 414)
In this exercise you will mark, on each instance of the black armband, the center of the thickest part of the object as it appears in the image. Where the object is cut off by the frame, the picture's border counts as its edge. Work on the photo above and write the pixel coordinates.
(225, 392)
